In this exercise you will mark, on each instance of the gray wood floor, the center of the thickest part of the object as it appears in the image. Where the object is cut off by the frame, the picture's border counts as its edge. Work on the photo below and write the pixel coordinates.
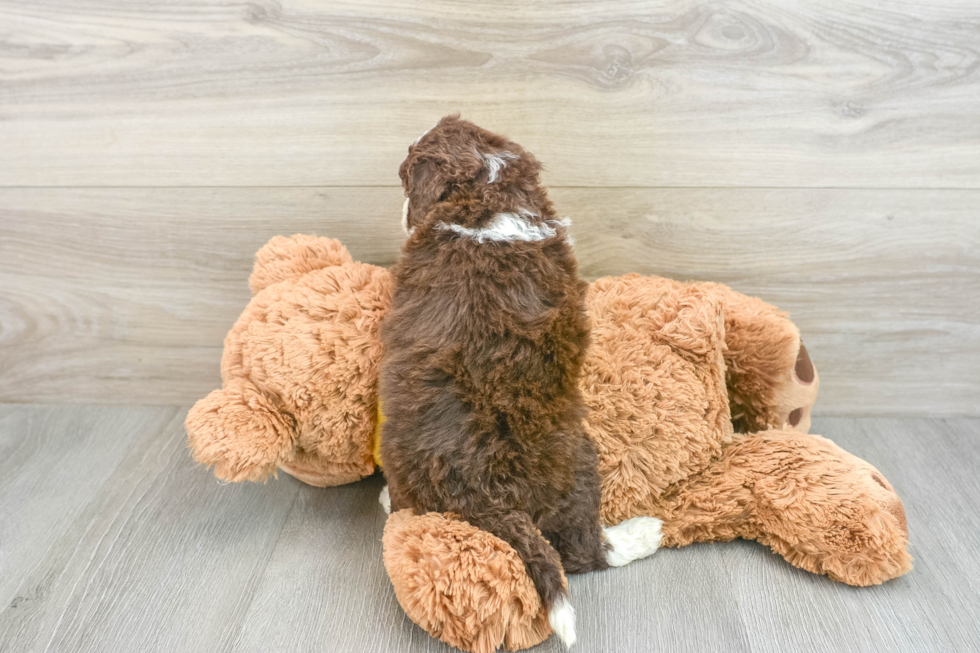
(112, 539)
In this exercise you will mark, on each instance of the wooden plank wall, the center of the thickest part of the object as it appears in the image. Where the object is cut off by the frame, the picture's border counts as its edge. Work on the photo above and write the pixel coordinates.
(824, 156)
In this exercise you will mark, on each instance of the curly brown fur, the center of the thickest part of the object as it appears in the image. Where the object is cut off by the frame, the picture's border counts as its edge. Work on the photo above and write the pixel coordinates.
(483, 348)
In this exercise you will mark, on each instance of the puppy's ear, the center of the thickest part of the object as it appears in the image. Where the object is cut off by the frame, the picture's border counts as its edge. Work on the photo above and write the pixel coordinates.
(430, 179)
(444, 158)
(426, 183)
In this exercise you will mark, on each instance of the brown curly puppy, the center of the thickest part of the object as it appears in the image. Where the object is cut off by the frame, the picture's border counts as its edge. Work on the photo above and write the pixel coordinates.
(483, 347)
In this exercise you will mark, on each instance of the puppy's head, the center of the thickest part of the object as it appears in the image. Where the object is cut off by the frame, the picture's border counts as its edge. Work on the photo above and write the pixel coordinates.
(457, 159)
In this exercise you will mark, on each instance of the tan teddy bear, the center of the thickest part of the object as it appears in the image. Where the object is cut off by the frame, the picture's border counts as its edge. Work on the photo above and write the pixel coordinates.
(699, 404)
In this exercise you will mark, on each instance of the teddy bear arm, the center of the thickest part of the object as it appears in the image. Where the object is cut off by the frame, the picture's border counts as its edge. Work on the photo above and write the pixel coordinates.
(240, 432)
(821, 508)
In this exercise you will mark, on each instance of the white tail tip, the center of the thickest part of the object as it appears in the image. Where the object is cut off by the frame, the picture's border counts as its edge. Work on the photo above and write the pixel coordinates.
(632, 539)
(562, 620)
(385, 500)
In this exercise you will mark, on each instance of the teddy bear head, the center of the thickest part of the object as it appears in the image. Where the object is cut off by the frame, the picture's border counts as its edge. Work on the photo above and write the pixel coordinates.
(298, 370)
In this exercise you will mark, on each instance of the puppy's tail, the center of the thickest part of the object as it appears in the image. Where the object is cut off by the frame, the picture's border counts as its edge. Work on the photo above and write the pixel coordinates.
(543, 566)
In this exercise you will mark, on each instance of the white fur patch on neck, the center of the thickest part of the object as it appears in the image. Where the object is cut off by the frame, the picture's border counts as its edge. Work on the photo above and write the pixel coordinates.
(405, 216)
(495, 163)
(423, 135)
(506, 227)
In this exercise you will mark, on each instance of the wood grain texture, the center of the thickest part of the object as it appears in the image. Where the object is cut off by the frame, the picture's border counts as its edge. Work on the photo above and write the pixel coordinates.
(636, 93)
(44, 452)
(325, 586)
(931, 464)
(159, 558)
(148, 552)
(125, 295)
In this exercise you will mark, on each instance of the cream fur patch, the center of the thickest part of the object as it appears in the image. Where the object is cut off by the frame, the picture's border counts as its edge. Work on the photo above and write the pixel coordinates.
(562, 620)
(405, 216)
(510, 227)
(385, 500)
(423, 135)
(494, 163)
(632, 539)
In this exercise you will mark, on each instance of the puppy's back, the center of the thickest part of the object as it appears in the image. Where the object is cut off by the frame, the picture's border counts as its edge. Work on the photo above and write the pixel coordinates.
(483, 347)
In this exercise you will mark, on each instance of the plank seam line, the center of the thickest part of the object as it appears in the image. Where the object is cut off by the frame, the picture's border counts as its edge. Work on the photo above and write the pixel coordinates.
(552, 186)
(236, 636)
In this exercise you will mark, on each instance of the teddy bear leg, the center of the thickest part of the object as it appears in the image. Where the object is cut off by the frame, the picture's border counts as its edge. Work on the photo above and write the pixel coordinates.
(462, 585)
(821, 508)
(312, 469)
(771, 380)
(239, 431)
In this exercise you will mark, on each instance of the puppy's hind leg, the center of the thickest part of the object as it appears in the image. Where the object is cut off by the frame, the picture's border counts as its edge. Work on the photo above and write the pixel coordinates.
(573, 526)
(583, 544)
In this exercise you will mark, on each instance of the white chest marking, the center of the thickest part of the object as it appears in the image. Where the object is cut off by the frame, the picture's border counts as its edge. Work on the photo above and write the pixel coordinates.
(506, 227)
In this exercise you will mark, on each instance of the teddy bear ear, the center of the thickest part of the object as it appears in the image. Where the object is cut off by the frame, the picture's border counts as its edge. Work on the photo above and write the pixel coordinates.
(283, 258)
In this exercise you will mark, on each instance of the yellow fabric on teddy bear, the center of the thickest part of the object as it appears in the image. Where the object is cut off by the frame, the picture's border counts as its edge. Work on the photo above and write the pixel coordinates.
(376, 437)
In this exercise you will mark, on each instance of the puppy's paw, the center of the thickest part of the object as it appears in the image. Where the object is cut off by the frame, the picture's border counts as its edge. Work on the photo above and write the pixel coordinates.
(632, 539)
(385, 500)
(562, 620)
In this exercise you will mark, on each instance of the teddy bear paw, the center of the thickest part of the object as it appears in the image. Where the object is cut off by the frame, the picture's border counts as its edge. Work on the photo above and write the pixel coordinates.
(465, 586)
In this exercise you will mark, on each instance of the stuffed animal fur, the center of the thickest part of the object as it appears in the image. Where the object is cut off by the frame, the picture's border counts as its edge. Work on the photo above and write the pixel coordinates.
(699, 405)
